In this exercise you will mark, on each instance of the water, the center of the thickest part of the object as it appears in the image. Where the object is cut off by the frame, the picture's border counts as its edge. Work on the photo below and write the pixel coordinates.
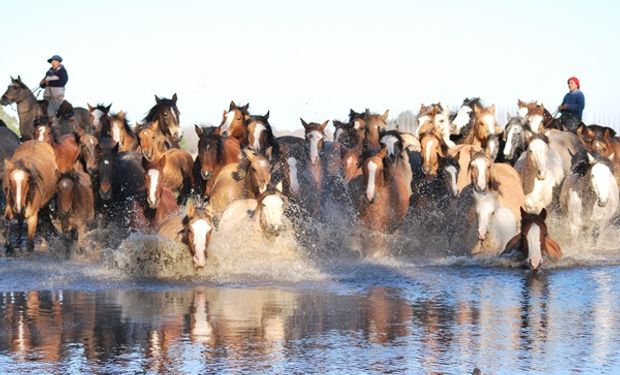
(262, 306)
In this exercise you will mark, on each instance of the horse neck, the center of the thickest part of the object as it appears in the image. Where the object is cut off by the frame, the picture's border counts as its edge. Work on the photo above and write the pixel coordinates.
(28, 108)
(316, 173)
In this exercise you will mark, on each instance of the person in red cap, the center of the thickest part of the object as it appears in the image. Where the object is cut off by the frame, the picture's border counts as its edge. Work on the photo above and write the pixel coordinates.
(572, 105)
(54, 83)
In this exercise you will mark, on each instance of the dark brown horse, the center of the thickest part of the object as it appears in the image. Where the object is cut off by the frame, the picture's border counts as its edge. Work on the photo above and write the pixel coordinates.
(28, 108)
(260, 135)
(533, 241)
(8, 144)
(234, 123)
(95, 116)
(160, 200)
(75, 203)
(166, 114)
(312, 166)
(88, 153)
(29, 183)
(193, 230)
(214, 153)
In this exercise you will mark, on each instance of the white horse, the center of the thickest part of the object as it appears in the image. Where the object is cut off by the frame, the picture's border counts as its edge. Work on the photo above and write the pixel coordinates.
(590, 195)
(541, 171)
(496, 224)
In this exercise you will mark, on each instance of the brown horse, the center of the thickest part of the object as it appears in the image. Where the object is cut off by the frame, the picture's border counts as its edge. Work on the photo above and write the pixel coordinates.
(387, 191)
(66, 148)
(116, 127)
(533, 241)
(374, 123)
(28, 108)
(175, 168)
(312, 165)
(234, 123)
(214, 153)
(88, 153)
(193, 230)
(247, 179)
(603, 141)
(484, 126)
(462, 154)
(166, 115)
(96, 114)
(29, 183)
(75, 203)
(160, 200)
(260, 135)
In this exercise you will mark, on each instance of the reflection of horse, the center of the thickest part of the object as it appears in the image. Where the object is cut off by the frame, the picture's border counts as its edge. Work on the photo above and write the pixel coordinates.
(234, 123)
(247, 179)
(193, 230)
(533, 241)
(590, 194)
(214, 153)
(541, 172)
(29, 183)
(28, 108)
(75, 202)
(496, 223)
(265, 213)
(166, 114)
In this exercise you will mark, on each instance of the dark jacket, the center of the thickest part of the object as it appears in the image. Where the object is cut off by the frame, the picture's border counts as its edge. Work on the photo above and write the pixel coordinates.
(575, 102)
(62, 75)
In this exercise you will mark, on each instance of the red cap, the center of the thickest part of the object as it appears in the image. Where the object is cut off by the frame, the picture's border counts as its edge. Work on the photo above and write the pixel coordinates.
(574, 79)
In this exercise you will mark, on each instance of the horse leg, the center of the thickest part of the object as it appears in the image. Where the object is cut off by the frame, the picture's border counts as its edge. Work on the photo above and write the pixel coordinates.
(8, 247)
(32, 228)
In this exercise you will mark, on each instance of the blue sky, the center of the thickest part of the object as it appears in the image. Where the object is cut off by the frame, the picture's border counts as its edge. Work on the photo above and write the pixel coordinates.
(317, 59)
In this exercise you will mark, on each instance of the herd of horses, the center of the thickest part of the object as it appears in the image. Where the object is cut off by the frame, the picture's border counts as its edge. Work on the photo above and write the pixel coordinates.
(460, 173)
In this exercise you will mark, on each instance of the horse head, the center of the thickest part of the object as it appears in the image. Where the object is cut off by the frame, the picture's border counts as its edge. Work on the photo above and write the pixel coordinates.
(88, 152)
(480, 170)
(152, 143)
(374, 123)
(153, 180)
(358, 123)
(95, 114)
(485, 123)
(270, 210)
(601, 174)
(209, 145)
(18, 187)
(166, 113)
(315, 139)
(259, 133)
(486, 204)
(43, 133)
(433, 149)
(393, 142)
(538, 153)
(465, 116)
(256, 169)
(373, 170)
(15, 92)
(514, 135)
(107, 150)
(451, 169)
(233, 121)
(197, 230)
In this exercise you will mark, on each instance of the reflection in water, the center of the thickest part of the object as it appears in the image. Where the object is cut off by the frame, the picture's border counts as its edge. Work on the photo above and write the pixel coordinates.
(453, 323)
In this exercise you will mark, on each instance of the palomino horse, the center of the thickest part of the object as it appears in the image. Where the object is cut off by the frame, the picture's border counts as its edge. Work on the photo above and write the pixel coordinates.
(29, 183)
(117, 127)
(234, 123)
(193, 230)
(533, 241)
(260, 135)
(28, 108)
(247, 179)
(589, 195)
(541, 172)
(214, 153)
(601, 140)
(160, 200)
(75, 203)
(496, 223)
(166, 114)
(95, 114)
(498, 177)
(386, 188)
(264, 214)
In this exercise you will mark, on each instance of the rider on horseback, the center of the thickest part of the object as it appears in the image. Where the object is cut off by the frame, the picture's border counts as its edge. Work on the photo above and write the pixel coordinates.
(572, 105)
(54, 83)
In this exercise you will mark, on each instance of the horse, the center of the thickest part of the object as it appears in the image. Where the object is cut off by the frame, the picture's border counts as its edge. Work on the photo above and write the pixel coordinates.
(9, 142)
(234, 123)
(117, 127)
(498, 177)
(246, 179)
(311, 170)
(540, 119)
(260, 135)
(589, 195)
(66, 148)
(464, 118)
(533, 241)
(462, 154)
(214, 153)
(29, 184)
(194, 230)
(160, 199)
(95, 114)
(344, 133)
(541, 172)
(601, 140)
(483, 127)
(28, 108)
(374, 123)
(387, 191)
(264, 214)
(496, 223)
(515, 139)
(88, 153)
(75, 203)
(166, 115)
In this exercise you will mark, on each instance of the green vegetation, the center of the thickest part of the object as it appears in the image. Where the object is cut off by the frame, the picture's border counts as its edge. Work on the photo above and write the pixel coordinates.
(9, 120)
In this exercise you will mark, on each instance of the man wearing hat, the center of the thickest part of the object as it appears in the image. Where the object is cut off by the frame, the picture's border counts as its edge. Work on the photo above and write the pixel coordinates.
(54, 83)
(572, 105)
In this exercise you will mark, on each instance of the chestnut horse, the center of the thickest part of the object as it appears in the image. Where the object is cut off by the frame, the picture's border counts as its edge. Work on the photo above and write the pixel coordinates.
(160, 200)
(374, 123)
(214, 153)
(66, 149)
(166, 116)
(484, 125)
(533, 241)
(193, 230)
(260, 135)
(234, 123)
(75, 203)
(29, 183)
(247, 179)
(116, 127)
(96, 114)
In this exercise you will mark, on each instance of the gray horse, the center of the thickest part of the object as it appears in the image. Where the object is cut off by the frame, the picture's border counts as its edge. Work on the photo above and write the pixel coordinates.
(28, 108)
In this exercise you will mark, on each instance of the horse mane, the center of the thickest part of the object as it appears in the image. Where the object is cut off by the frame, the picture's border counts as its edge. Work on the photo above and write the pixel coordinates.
(394, 133)
(102, 107)
(155, 110)
(471, 102)
(65, 110)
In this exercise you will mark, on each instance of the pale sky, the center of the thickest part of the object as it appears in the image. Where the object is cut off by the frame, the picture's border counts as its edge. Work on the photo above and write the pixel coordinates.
(317, 59)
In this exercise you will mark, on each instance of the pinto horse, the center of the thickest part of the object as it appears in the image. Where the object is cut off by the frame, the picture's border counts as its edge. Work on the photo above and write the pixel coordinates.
(515, 139)
(28, 108)
(533, 241)
(29, 183)
(194, 230)
(247, 179)
(75, 203)
(166, 115)
(234, 123)
(464, 118)
(496, 223)
(214, 153)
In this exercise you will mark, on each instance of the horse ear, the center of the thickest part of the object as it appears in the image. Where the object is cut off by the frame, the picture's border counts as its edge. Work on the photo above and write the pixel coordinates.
(249, 154)
(245, 107)
(266, 116)
(19, 78)
(231, 106)
(551, 248)
(247, 117)
(107, 109)
(520, 103)
(12, 79)
(279, 186)
(174, 98)
(157, 100)
(162, 161)
(591, 158)
(90, 107)
(324, 125)
(492, 108)
(199, 131)
(303, 123)
(385, 115)
(543, 214)
(611, 157)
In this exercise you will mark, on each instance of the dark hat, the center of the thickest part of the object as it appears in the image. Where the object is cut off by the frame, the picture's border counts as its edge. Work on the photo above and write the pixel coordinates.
(55, 57)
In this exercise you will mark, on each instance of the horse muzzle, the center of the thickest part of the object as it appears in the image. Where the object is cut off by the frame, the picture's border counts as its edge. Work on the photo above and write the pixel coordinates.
(541, 175)
(602, 202)
(105, 194)
(370, 199)
(152, 204)
(4, 100)
(206, 175)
